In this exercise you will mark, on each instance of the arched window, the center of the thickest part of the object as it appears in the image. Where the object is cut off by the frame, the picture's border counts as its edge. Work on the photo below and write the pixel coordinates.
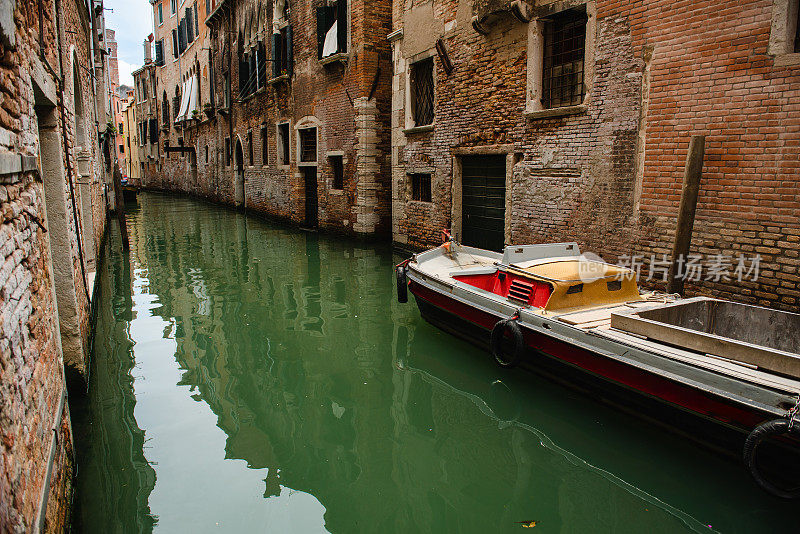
(165, 110)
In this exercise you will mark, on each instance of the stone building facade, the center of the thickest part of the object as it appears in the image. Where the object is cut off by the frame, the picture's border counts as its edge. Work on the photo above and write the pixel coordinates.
(570, 120)
(284, 123)
(55, 156)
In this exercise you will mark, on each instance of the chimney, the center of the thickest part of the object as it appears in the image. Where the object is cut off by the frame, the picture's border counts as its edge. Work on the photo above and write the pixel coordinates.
(148, 58)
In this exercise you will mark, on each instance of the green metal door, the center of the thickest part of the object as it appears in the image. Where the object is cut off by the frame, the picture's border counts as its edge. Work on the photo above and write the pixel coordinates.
(483, 201)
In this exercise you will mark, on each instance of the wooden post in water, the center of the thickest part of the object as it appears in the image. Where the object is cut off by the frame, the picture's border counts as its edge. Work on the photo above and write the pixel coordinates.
(686, 212)
(120, 202)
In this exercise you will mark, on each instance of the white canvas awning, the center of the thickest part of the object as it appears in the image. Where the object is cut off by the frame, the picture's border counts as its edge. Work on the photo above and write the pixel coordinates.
(186, 91)
(331, 41)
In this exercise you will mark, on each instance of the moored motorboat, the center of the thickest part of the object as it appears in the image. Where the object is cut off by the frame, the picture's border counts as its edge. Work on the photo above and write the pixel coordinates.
(585, 322)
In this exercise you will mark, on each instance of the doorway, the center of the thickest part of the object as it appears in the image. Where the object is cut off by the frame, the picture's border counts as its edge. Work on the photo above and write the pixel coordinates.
(310, 180)
(483, 201)
(239, 175)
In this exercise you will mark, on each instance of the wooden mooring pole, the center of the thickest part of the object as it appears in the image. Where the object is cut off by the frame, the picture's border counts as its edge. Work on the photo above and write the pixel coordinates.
(686, 212)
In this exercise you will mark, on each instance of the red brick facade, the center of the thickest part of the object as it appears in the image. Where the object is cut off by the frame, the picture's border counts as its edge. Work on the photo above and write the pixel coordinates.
(608, 173)
(347, 100)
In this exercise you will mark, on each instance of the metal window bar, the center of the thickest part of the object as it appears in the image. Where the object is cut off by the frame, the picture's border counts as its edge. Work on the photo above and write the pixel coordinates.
(563, 65)
(422, 92)
(308, 145)
(421, 187)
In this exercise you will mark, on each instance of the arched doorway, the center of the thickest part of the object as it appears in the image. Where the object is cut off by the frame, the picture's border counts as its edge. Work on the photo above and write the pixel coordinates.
(239, 175)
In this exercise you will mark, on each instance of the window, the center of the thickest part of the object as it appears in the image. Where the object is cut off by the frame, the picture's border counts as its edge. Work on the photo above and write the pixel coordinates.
(332, 29)
(160, 12)
(227, 152)
(165, 109)
(422, 92)
(173, 6)
(784, 37)
(337, 170)
(250, 147)
(121, 149)
(421, 187)
(562, 62)
(175, 43)
(206, 153)
(176, 103)
(283, 144)
(196, 25)
(121, 129)
(208, 7)
(308, 145)
(160, 52)
(264, 144)
(282, 51)
(226, 81)
(188, 21)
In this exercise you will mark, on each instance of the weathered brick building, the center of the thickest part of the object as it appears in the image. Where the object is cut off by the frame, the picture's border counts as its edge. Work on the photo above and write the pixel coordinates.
(291, 113)
(570, 120)
(54, 108)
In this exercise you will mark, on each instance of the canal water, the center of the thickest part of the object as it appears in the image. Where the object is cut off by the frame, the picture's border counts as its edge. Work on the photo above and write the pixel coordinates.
(252, 378)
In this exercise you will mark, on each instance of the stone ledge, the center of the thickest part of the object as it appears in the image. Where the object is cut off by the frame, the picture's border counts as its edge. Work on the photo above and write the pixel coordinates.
(339, 57)
(278, 79)
(418, 129)
(556, 112)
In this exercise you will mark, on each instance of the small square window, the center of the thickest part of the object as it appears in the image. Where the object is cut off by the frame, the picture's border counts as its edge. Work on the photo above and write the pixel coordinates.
(422, 92)
(421, 187)
(337, 170)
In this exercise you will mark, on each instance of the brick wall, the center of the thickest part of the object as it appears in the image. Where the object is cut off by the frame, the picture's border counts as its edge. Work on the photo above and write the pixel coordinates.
(37, 266)
(317, 95)
(609, 175)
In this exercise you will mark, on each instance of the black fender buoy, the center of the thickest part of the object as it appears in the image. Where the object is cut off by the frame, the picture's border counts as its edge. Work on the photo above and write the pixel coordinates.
(768, 429)
(498, 333)
(402, 284)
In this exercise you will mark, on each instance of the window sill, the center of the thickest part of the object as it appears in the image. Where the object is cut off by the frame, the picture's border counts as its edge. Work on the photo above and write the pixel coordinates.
(278, 79)
(306, 163)
(787, 60)
(556, 112)
(337, 192)
(418, 129)
(339, 57)
(426, 203)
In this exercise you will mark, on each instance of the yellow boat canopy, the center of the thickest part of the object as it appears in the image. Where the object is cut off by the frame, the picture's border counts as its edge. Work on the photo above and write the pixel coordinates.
(581, 283)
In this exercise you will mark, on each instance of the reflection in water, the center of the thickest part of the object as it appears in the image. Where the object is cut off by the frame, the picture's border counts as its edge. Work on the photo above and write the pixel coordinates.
(254, 378)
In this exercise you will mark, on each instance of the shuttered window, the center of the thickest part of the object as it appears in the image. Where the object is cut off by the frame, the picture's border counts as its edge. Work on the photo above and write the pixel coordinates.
(564, 44)
(422, 92)
(282, 52)
(174, 43)
(189, 25)
(159, 52)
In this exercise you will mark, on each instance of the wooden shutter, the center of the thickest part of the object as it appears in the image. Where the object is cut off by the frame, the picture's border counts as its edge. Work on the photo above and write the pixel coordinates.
(159, 53)
(289, 52)
(276, 68)
(342, 25)
(322, 28)
(189, 25)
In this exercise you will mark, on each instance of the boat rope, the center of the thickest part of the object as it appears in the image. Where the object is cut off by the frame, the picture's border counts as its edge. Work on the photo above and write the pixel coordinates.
(792, 413)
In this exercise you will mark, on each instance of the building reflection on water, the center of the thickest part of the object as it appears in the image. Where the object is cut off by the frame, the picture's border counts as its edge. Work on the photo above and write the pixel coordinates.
(326, 386)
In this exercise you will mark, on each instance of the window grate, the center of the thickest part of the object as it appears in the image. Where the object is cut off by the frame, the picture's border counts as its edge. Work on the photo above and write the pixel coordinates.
(422, 92)
(308, 145)
(563, 66)
(421, 187)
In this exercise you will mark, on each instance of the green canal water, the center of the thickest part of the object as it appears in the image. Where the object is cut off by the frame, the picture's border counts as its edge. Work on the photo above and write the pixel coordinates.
(252, 378)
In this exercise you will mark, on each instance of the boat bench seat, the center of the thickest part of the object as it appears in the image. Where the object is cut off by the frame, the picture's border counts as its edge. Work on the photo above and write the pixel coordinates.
(474, 271)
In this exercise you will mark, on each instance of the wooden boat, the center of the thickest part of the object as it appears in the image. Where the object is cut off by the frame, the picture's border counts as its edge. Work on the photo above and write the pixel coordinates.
(585, 322)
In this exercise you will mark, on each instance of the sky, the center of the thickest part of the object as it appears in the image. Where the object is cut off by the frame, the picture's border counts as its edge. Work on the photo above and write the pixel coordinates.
(132, 21)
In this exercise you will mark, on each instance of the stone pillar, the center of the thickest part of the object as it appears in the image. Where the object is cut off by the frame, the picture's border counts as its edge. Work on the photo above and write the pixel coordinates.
(368, 167)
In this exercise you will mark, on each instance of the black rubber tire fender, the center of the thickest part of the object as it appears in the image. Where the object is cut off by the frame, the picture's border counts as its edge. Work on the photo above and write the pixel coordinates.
(498, 333)
(768, 429)
(402, 284)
